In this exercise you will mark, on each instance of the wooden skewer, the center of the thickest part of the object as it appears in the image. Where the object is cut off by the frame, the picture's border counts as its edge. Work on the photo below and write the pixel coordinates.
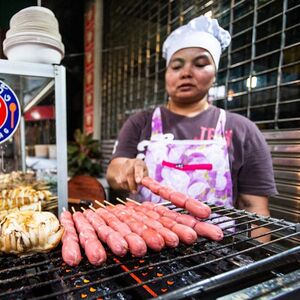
(92, 208)
(64, 209)
(102, 205)
(73, 209)
(120, 200)
(133, 201)
(82, 208)
(108, 203)
(98, 202)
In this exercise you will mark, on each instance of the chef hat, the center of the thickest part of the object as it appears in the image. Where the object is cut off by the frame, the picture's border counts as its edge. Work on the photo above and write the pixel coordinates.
(202, 32)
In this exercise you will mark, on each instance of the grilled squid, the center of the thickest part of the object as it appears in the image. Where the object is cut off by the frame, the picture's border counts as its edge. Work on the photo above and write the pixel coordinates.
(25, 232)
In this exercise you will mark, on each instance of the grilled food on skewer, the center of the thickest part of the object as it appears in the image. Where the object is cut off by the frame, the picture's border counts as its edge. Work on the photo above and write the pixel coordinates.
(32, 207)
(27, 232)
(22, 195)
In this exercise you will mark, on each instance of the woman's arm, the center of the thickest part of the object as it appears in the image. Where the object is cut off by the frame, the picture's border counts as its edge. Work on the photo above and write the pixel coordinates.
(259, 205)
(125, 174)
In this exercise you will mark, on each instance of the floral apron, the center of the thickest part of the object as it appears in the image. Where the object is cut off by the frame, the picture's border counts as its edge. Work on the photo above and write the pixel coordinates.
(198, 168)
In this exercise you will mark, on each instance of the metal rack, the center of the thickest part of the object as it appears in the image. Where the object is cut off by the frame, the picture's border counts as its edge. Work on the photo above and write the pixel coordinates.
(57, 76)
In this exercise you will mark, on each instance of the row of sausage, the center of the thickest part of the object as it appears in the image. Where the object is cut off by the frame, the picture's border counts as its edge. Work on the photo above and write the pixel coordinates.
(131, 227)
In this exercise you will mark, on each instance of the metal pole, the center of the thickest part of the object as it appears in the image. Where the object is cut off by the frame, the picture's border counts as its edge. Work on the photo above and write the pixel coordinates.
(61, 136)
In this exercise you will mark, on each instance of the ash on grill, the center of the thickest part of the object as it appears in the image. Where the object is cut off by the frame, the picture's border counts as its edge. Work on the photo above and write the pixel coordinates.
(210, 269)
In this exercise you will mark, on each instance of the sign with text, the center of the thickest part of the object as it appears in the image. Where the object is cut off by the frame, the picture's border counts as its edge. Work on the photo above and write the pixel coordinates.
(10, 112)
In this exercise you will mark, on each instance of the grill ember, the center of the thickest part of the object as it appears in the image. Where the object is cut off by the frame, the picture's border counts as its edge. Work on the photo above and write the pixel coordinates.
(209, 269)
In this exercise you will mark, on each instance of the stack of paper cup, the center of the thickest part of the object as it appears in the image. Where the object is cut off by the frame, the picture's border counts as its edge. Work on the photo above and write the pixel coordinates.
(34, 36)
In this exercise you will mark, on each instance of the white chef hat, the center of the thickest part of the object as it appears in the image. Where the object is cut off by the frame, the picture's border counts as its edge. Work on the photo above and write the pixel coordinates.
(202, 32)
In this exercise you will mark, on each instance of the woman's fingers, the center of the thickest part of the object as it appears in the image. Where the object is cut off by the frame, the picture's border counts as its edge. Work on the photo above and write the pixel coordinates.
(134, 171)
(140, 170)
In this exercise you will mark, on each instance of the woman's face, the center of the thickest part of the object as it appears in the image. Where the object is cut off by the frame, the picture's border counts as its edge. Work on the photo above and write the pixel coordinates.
(189, 75)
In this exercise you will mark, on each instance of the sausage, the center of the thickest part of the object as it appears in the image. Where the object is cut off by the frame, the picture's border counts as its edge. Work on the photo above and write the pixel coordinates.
(151, 223)
(137, 246)
(153, 239)
(148, 205)
(187, 220)
(167, 222)
(171, 238)
(154, 187)
(186, 234)
(137, 227)
(178, 199)
(165, 192)
(170, 214)
(71, 253)
(117, 243)
(146, 181)
(93, 248)
(103, 232)
(160, 209)
(209, 231)
(93, 218)
(130, 204)
(152, 214)
(197, 208)
(119, 226)
(95, 252)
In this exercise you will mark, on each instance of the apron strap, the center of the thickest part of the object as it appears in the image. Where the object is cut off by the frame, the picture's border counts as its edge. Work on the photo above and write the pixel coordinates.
(220, 128)
(156, 125)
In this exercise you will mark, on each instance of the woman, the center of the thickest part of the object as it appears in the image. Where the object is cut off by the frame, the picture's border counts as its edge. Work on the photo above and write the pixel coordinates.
(190, 145)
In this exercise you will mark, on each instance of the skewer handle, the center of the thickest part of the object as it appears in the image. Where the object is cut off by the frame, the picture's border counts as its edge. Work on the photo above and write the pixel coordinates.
(133, 201)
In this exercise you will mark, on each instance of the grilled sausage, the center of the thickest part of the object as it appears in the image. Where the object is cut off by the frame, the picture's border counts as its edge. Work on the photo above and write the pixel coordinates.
(197, 208)
(146, 181)
(108, 234)
(119, 226)
(136, 244)
(186, 234)
(187, 220)
(209, 231)
(93, 248)
(149, 205)
(170, 214)
(117, 243)
(167, 222)
(137, 227)
(153, 239)
(165, 192)
(71, 253)
(95, 252)
(103, 232)
(160, 209)
(178, 199)
(171, 238)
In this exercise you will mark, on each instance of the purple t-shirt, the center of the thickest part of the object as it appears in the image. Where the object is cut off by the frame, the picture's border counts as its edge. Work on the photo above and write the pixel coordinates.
(249, 155)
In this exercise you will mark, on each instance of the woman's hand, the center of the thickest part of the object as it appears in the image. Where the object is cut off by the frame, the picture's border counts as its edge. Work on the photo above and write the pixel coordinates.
(125, 174)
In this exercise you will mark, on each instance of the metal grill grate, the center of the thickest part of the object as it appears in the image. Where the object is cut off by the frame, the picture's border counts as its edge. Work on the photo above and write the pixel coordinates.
(208, 268)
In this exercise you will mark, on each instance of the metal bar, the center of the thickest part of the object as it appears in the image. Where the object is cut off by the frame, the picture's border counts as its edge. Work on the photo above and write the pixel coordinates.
(61, 136)
(40, 96)
(230, 277)
(26, 68)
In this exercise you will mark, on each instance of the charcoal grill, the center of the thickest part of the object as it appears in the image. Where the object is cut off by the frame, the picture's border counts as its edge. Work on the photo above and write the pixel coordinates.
(235, 267)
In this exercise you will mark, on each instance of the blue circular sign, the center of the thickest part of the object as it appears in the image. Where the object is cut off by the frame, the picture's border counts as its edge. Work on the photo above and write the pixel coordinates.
(10, 112)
